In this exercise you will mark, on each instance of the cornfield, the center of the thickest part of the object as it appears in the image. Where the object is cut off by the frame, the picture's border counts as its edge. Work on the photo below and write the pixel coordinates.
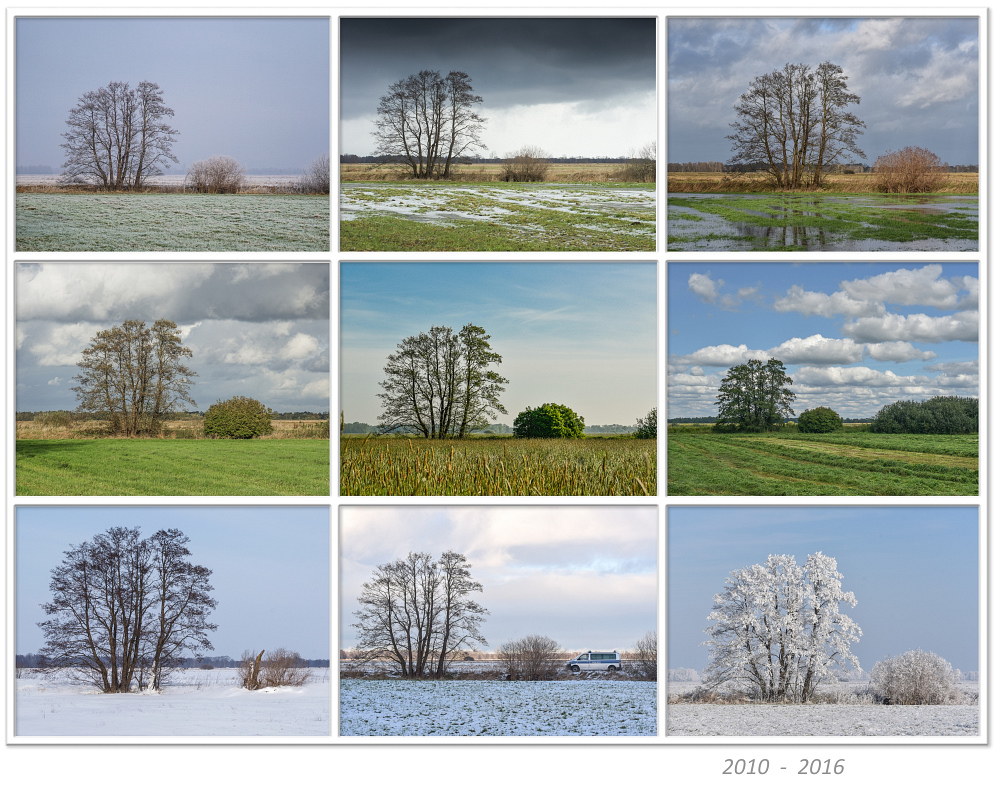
(390, 466)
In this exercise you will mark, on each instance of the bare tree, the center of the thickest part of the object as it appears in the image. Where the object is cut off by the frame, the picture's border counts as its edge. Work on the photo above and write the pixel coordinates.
(124, 608)
(909, 171)
(278, 668)
(417, 612)
(316, 178)
(527, 165)
(643, 660)
(531, 658)
(219, 174)
(427, 122)
(134, 375)
(640, 166)
(117, 136)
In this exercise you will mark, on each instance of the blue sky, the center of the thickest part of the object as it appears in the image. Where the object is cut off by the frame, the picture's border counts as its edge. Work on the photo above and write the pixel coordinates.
(254, 89)
(913, 570)
(570, 86)
(581, 335)
(854, 336)
(270, 568)
(260, 330)
(917, 78)
(584, 576)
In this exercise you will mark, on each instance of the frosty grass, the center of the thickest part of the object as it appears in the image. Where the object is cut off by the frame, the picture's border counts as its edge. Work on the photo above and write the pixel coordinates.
(497, 708)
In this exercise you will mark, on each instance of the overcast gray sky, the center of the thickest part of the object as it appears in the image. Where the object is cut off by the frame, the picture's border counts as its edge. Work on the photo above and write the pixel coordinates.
(584, 576)
(917, 78)
(571, 86)
(254, 89)
(259, 330)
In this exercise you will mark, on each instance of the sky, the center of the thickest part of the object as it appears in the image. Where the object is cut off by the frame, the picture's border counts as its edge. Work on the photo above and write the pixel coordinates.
(273, 590)
(580, 335)
(913, 570)
(584, 576)
(917, 78)
(570, 86)
(854, 336)
(257, 330)
(257, 90)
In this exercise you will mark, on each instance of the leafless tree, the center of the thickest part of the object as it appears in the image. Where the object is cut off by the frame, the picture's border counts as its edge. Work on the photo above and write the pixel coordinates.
(133, 374)
(418, 613)
(117, 136)
(793, 123)
(427, 122)
(278, 668)
(531, 658)
(642, 659)
(124, 608)
(316, 179)
(641, 165)
(219, 174)
(909, 171)
(527, 165)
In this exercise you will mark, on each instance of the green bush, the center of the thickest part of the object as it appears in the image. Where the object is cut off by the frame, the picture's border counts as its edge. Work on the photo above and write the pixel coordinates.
(548, 421)
(820, 420)
(942, 414)
(238, 418)
(645, 427)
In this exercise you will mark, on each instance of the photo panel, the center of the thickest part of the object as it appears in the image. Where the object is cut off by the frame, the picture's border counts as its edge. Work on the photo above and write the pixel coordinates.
(484, 133)
(848, 622)
(544, 622)
(172, 622)
(227, 365)
(823, 378)
(219, 142)
(547, 351)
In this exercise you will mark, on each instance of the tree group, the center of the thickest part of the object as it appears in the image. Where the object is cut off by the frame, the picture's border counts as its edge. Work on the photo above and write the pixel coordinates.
(947, 414)
(125, 608)
(117, 136)
(755, 397)
(793, 122)
(778, 631)
(440, 384)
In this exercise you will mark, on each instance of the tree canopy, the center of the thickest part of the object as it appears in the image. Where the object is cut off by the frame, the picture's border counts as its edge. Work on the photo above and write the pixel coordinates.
(948, 414)
(793, 122)
(548, 421)
(755, 396)
(440, 384)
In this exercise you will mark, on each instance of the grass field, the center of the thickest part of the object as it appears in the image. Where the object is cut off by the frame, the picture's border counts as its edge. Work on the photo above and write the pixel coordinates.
(166, 467)
(390, 466)
(445, 216)
(171, 222)
(703, 463)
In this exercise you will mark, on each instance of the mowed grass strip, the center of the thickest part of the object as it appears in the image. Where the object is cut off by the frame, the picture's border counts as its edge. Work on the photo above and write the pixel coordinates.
(156, 467)
(497, 467)
(771, 465)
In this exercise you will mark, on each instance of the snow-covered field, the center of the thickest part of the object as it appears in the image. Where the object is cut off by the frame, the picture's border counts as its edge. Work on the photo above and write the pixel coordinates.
(822, 720)
(497, 708)
(195, 703)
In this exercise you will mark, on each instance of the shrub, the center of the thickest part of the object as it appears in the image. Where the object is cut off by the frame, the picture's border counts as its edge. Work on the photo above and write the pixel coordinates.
(279, 668)
(909, 171)
(820, 420)
(942, 414)
(527, 165)
(640, 167)
(531, 658)
(316, 179)
(916, 678)
(645, 427)
(219, 174)
(548, 421)
(59, 419)
(642, 660)
(238, 418)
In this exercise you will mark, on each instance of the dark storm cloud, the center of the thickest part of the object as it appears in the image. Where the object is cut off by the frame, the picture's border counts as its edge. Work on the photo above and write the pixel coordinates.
(510, 61)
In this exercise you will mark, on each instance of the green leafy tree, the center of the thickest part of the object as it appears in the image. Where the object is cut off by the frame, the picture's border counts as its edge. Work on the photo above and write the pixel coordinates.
(945, 414)
(755, 396)
(238, 418)
(645, 427)
(820, 420)
(548, 421)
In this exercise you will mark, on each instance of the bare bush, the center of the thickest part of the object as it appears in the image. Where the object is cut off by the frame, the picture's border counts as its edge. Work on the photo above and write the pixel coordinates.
(916, 678)
(640, 166)
(527, 165)
(531, 658)
(248, 670)
(278, 668)
(641, 661)
(909, 171)
(316, 178)
(219, 174)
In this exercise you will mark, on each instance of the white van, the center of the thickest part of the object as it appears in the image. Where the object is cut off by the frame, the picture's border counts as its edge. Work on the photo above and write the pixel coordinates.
(610, 661)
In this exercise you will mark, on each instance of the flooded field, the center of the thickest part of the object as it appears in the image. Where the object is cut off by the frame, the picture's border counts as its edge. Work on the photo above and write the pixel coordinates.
(496, 217)
(808, 222)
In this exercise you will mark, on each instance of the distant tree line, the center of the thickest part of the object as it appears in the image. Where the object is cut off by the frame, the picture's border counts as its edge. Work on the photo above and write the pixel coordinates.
(32, 660)
(479, 159)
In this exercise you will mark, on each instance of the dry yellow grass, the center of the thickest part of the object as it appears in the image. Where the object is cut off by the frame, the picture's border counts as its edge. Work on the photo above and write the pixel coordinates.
(709, 182)
(485, 173)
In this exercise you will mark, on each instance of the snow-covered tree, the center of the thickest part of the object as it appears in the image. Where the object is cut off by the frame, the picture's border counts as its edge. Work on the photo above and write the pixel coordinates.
(917, 677)
(778, 631)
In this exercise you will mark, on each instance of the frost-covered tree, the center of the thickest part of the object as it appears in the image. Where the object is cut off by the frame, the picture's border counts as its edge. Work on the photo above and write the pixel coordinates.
(778, 631)
(915, 678)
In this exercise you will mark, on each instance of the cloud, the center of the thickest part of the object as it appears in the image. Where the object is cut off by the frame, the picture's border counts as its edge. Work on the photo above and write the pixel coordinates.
(817, 349)
(897, 352)
(923, 286)
(963, 326)
(703, 286)
(819, 304)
